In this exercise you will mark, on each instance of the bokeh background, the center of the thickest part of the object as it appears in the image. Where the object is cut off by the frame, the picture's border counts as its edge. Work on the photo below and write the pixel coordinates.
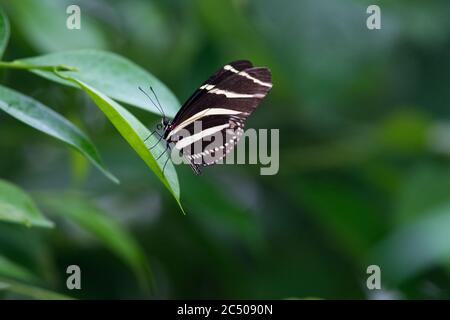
(364, 155)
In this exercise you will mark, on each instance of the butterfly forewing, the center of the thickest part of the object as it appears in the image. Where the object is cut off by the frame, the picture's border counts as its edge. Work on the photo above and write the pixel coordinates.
(217, 77)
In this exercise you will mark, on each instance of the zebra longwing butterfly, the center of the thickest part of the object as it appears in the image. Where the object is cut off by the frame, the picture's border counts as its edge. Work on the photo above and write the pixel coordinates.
(210, 123)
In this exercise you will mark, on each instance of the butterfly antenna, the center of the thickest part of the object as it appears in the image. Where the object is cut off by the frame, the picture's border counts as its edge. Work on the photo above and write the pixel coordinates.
(148, 96)
(157, 100)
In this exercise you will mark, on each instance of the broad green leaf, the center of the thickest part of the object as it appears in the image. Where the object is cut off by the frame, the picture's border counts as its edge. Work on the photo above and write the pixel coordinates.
(29, 291)
(113, 75)
(415, 247)
(422, 219)
(43, 24)
(17, 207)
(44, 119)
(80, 210)
(135, 133)
(3, 286)
(4, 32)
(11, 269)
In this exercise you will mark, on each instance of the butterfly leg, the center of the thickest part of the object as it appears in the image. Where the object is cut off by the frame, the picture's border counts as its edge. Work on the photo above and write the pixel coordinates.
(165, 150)
(148, 137)
(164, 167)
(160, 137)
(168, 155)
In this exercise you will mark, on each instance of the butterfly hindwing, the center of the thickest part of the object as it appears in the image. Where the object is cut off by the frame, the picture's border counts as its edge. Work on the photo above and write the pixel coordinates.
(212, 147)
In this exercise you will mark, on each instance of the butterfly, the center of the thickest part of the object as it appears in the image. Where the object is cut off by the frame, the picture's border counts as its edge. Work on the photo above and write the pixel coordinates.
(211, 122)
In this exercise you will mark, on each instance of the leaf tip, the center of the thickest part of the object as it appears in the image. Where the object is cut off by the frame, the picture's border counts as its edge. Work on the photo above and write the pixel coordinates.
(113, 178)
(181, 207)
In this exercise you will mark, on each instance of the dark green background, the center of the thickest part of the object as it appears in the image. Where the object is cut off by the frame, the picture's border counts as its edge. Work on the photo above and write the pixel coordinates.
(364, 152)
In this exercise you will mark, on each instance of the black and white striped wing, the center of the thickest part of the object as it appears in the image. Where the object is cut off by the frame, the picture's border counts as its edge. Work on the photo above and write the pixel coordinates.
(208, 145)
(189, 106)
(215, 119)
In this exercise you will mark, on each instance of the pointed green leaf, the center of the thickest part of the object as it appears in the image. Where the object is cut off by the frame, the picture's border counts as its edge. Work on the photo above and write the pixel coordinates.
(113, 75)
(17, 207)
(135, 133)
(11, 269)
(44, 119)
(43, 24)
(80, 210)
(415, 247)
(29, 291)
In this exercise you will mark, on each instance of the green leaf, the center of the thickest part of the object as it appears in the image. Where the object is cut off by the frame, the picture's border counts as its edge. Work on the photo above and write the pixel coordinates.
(415, 247)
(11, 269)
(115, 76)
(17, 207)
(31, 291)
(135, 133)
(422, 220)
(80, 210)
(4, 32)
(44, 119)
(3, 286)
(43, 24)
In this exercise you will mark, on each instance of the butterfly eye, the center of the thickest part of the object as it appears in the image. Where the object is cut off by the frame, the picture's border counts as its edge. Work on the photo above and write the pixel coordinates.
(159, 126)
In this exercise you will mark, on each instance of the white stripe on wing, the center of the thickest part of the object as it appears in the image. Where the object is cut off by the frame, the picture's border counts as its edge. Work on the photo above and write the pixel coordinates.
(246, 75)
(201, 114)
(230, 94)
(198, 136)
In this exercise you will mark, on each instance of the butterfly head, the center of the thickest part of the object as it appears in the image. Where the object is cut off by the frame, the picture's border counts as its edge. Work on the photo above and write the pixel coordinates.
(165, 124)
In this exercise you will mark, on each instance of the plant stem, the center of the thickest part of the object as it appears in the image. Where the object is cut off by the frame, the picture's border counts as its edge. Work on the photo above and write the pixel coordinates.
(27, 66)
(62, 76)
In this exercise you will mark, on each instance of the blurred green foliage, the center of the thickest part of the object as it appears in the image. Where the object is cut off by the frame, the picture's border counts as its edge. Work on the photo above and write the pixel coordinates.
(364, 148)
